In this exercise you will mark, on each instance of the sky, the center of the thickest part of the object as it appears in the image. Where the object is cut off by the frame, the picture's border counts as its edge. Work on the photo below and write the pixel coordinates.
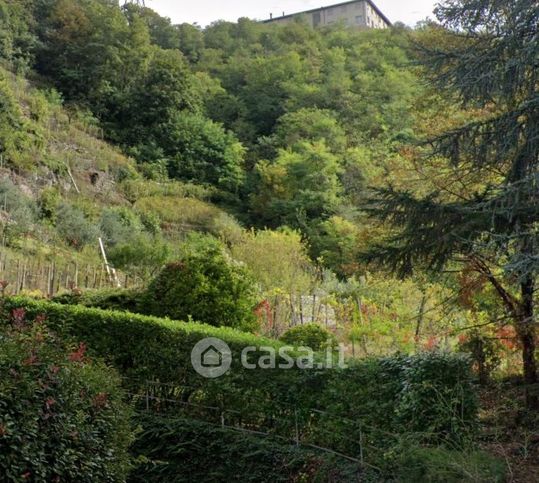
(204, 12)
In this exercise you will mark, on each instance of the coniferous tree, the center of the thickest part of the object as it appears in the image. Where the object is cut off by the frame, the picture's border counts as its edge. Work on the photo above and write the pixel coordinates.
(489, 61)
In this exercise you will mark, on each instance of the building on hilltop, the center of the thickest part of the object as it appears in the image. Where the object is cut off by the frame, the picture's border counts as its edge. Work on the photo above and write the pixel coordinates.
(359, 13)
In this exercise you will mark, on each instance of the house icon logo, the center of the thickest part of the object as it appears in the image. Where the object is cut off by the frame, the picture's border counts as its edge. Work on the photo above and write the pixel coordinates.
(211, 358)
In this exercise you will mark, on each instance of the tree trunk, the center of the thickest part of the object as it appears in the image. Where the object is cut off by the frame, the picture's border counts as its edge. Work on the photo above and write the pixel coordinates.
(482, 363)
(420, 318)
(527, 333)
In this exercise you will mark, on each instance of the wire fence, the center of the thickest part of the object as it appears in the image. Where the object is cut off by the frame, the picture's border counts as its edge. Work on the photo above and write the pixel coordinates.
(305, 427)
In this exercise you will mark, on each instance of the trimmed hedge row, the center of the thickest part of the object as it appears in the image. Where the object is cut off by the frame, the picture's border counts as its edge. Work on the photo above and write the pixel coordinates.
(118, 299)
(429, 395)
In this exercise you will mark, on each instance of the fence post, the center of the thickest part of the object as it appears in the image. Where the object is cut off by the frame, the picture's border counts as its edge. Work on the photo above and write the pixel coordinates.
(52, 280)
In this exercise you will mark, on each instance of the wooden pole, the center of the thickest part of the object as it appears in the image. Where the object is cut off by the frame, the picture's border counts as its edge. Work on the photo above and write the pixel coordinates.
(113, 277)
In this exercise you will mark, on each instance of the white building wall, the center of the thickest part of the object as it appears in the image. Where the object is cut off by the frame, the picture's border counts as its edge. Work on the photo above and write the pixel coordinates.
(357, 14)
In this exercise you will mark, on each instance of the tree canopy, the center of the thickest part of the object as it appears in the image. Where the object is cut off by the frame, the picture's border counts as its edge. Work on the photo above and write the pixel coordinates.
(487, 61)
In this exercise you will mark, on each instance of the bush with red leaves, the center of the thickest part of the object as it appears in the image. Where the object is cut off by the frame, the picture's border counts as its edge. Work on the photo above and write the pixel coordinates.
(62, 416)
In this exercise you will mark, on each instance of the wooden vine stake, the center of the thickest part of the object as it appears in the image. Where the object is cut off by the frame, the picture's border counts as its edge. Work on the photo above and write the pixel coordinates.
(111, 272)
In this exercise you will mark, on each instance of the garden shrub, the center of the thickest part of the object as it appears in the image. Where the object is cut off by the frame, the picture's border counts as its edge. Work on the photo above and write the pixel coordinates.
(205, 285)
(107, 299)
(435, 399)
(428, 395)
(62, 416)
(309, 335)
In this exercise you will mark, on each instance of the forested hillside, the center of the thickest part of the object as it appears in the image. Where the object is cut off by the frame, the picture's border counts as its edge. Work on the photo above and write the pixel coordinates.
(237, 127)
(285, 185)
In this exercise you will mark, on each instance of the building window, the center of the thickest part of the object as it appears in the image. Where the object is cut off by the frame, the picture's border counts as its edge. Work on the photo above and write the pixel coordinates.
(359, 19)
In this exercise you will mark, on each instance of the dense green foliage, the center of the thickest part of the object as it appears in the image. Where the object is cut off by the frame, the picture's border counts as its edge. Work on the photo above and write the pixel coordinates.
(201, 151)
(62, 416)
(16, 39)
(271, 116)
(387, 398)
(110, 299)
(488, 224)
(204, 285)
(181, 450)
(18, 138)
(267, 139)
(440, 464)
(309, 335)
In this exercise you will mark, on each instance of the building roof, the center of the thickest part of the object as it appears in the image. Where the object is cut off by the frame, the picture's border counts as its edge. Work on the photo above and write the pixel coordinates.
(314, 10)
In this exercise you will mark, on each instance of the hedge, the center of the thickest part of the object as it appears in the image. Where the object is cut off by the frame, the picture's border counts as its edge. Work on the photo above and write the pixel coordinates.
(119, 299)
(375, 401)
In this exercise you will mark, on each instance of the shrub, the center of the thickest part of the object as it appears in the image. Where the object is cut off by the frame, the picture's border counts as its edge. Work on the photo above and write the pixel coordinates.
(142, 256)
(107, 299)
(73, 226)
(62, 417)
(440, 464)
(436, 391)
(119, 225)
(150, 222)
(179, 450)
(15, 140)
(205, 285)
(309, 335)
(48, 202)
(20, 209)
(278, 259)
(485, 351)
(428, 396)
